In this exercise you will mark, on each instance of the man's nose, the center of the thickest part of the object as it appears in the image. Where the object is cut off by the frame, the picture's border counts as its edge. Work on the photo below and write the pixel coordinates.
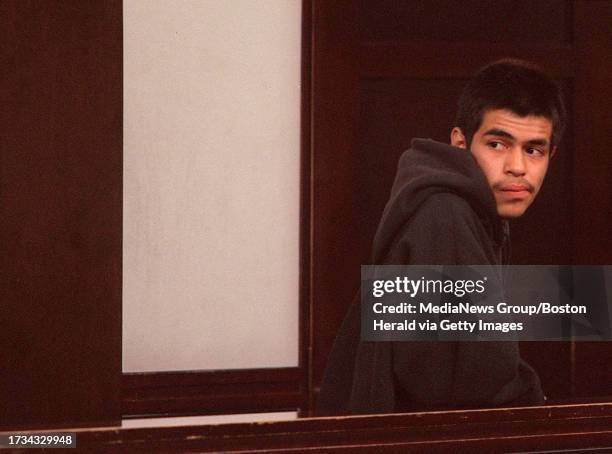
(515, 162)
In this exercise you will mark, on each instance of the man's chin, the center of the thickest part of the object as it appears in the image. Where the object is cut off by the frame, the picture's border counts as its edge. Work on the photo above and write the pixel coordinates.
(511, 212)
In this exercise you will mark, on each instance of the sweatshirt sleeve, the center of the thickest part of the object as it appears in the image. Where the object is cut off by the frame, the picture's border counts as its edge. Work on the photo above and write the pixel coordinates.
(445, 230)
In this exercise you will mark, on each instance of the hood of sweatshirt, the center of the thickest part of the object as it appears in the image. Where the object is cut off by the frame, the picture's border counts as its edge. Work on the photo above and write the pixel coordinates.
(431, 167)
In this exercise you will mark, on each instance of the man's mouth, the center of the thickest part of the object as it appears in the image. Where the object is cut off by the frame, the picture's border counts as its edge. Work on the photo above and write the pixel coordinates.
(516, 190)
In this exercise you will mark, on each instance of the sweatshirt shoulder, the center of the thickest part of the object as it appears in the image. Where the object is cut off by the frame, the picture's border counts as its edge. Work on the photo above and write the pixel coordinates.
(444, 207)
(445, 229)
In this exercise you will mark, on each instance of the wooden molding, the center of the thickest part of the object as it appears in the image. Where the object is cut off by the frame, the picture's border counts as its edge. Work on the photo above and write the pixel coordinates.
(212, 392)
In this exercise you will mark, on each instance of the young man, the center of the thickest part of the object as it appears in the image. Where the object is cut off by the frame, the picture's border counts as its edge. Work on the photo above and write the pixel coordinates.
(449, 205)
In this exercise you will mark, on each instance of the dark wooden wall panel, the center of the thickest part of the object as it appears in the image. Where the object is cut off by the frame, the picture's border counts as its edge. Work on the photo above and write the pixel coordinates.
(593, 169)
(469, 20)
(334, 135)
(60, 225)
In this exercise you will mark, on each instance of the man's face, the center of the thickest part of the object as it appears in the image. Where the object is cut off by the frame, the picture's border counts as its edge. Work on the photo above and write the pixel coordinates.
(513, 153)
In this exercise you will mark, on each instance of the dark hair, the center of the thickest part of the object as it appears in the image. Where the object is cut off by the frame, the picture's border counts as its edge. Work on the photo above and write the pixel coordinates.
(515, 85)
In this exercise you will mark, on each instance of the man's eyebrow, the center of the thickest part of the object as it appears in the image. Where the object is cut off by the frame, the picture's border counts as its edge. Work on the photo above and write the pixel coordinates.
(541, 142)
(501, 133)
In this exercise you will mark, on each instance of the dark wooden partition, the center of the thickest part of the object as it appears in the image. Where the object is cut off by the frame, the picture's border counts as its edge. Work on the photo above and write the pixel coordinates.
(375, 74)
(592, 220)
(389, 70)
(60, 224)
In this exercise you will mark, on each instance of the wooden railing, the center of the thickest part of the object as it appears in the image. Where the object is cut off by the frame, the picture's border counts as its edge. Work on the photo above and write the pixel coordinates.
(575, 428)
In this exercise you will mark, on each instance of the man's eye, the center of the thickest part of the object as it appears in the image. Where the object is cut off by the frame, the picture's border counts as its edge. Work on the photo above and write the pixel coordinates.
(495, 145)
(534, 151)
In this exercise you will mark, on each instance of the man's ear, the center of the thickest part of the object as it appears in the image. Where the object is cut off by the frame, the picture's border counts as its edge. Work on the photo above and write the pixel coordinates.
(457, 138)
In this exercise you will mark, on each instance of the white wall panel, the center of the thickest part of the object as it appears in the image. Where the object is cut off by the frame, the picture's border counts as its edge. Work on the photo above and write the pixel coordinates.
(211, 184)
